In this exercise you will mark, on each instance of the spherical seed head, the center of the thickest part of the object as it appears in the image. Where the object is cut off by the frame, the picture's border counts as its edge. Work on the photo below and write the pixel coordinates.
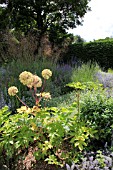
(46, 73)
(12, 90)
(26, 78)
(37, 82)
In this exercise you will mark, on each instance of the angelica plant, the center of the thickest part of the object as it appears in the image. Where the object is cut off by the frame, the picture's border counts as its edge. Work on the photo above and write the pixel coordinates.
(32, 82)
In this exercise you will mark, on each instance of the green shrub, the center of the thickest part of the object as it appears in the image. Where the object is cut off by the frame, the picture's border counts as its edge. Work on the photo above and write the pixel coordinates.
(62, 101)
(45, 131)
(97, 111)
(85, 73)
(97, 51)
(55, 135)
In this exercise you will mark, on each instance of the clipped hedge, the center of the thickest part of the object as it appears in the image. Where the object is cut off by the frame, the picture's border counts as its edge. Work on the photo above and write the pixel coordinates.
(97, 51)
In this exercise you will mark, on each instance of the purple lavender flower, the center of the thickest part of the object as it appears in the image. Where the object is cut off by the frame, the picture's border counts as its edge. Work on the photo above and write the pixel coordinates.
(91, 158)
(106, 168)
(105, 78)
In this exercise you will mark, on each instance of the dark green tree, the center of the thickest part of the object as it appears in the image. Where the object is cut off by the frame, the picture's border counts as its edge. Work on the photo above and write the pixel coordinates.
(78, 39)
(50, 17)
(45, 15)
(4, 19)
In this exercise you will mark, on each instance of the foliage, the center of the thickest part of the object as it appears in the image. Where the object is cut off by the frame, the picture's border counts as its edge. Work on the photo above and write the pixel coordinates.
(31, 28)
(97, 51)
(55, 134)
(62, 100)
(107, 80)
(3, 21)
(98, 160)
(15, 45)
(78, 39)
(96, 110)
(68, 98)
(85, 73)
(85, 86)
(45, 16)
(9, 77)
(58, 135)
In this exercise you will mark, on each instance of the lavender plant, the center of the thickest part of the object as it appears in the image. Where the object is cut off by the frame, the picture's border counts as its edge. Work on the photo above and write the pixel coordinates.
(107, 80)
(70, 167)
(96, 161)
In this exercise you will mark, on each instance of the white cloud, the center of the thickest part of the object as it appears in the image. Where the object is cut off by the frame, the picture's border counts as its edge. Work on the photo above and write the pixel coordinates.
(98, 23)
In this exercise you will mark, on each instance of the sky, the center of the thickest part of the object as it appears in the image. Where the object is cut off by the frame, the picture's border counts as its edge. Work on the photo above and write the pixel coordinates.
(98, 23)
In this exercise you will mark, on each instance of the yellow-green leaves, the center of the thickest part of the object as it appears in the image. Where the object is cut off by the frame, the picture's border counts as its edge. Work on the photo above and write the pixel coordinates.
(77, 86)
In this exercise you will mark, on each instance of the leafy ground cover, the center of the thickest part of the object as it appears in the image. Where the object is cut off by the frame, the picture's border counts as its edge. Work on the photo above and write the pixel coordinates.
(73, 130)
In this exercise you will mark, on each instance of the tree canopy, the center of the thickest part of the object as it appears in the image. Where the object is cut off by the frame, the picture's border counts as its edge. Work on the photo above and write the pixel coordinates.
(44, 15)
